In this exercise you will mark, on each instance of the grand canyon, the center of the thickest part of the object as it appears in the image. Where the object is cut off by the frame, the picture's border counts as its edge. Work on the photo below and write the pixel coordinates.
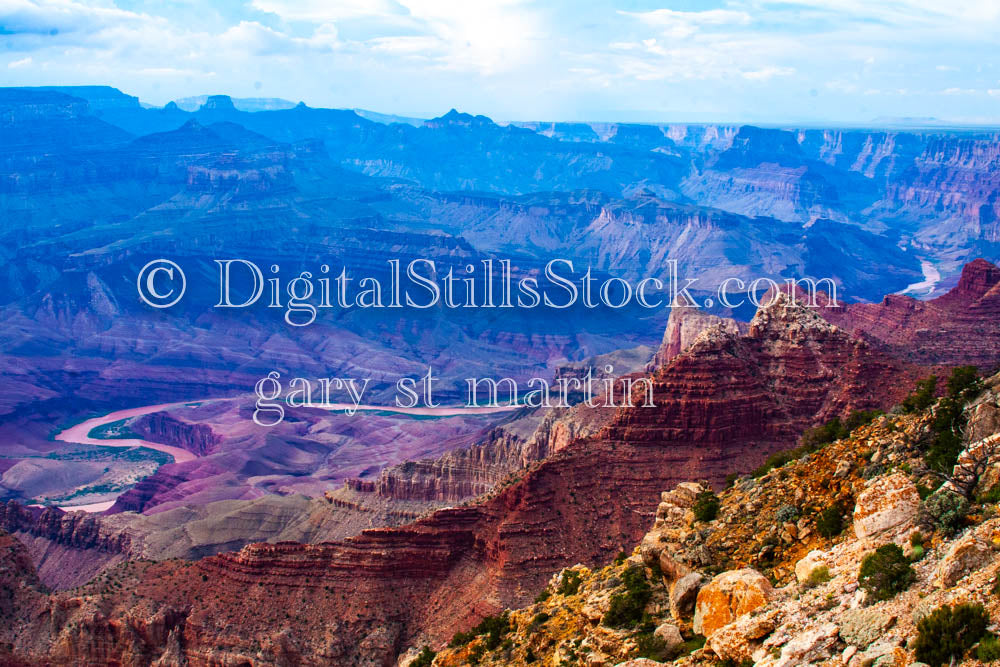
(146, 518)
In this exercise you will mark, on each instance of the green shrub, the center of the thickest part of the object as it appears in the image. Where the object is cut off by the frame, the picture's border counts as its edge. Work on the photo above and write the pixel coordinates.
(988, 649)
(918, 553)
(948, 632)
(830, 522)
(885, 572)
(570, 583)
(786, 513)
(992, 495)
(626, 609)
(494, 627)
(538, 621)
(964, 383)
(425, 658)
(947, 510)
(621, 558)
(922, 397)
(706, 506)
(819, 575)
(648, 645)
(543, 596)
(859, 418)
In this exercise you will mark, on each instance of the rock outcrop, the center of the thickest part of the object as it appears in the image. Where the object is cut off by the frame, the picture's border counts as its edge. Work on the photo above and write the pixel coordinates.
(959, 327)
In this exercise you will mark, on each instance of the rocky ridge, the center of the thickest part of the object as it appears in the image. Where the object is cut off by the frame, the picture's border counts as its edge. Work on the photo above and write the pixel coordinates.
(759, 584)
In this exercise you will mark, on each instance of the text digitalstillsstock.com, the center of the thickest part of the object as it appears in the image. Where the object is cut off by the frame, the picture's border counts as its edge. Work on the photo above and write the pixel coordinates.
(422, 284)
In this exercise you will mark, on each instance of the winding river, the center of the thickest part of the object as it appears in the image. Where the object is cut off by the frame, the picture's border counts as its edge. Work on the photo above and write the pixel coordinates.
(80, 433)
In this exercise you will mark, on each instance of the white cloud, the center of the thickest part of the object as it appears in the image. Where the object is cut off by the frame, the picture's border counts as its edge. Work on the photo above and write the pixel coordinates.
(766, 73)
(679, 24)
(23, 62)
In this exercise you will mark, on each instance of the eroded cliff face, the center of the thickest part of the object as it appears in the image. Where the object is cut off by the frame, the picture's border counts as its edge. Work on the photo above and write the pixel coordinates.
(960, 327)
(723, 404)
(199, 439)
(67, 549)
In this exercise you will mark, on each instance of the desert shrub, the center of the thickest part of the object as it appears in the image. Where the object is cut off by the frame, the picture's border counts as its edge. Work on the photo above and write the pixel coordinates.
(992, 495)
(944, 442)
(425, 658)
(988, 649)
(543, 596)
(830, 522)
(621, 558)
(859, 418)
(885, 572)
(922, 396)
(476, 654)
(816, 437)
(538, 621)
(819, 575)
(964, 383)
(706, 506)
(570, 583)
(948, 632)
(918, 553)
(626, 608)
(786, 513)
(773, 461)
(494, 627)
(648, 645)
(946, 510)
(731, 479)
(873, 470)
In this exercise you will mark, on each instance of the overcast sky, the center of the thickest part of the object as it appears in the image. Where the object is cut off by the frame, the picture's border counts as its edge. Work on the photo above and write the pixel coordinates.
(760, 60)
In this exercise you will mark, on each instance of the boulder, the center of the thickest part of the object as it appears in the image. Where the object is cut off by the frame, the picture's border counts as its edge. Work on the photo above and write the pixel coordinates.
(650, 548)
(861, 627)
(738, 640)
(670, 634)
(804, 568)
(812, 645)
(965, 556)
(729, 596)
(888, 502)
(671, 569)
(684, 593)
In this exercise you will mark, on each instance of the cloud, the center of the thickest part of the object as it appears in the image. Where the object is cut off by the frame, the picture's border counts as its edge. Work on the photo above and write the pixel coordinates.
(525, 58)
(766, 73)
(678, 24)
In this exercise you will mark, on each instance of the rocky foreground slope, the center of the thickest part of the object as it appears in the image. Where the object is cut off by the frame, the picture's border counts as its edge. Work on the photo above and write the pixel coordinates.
(778, 576)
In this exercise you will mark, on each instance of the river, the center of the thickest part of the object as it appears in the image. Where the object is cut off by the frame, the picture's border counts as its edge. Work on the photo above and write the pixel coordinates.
(80, 433)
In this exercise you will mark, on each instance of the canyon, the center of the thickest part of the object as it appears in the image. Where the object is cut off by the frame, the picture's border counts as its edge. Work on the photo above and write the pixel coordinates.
(405, 528)
(735, 398)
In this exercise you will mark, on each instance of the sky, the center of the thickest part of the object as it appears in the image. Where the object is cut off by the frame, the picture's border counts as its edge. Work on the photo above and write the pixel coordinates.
(847, 61)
